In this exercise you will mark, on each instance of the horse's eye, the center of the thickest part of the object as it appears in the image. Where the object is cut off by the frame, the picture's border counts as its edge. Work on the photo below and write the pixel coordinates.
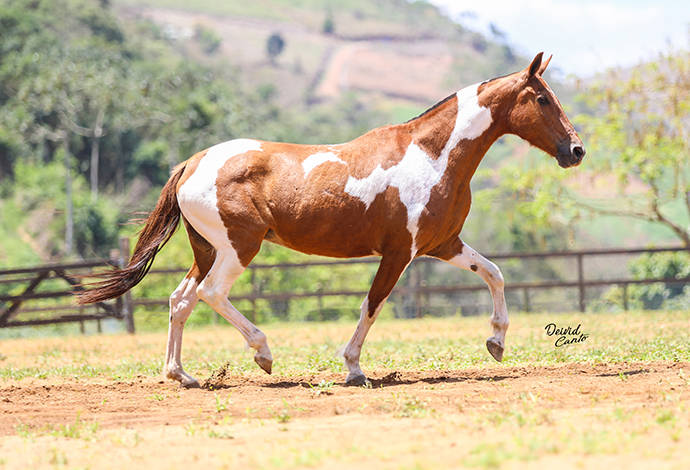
(541, 99)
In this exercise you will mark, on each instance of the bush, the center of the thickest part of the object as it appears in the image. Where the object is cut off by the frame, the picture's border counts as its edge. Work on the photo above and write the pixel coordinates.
(659, 265)
(207, 38)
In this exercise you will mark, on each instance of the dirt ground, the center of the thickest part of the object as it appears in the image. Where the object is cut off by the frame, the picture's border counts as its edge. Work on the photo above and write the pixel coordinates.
(620, 399)
(405, 420)
(38, 403)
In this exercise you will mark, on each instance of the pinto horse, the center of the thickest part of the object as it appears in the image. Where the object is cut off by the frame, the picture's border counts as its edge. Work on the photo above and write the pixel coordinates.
(397, 192)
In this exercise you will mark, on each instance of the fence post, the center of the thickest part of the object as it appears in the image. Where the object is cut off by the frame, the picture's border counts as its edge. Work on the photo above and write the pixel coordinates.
(625, 296)
(255, 292)
(319, 302)
(581, 281)
(417, 268)
(127, 307)
(526, 305)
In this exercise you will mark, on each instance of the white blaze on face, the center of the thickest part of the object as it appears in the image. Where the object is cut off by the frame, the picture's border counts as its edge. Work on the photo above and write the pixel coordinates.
(417, 173)
(198, 197)
(312, 161)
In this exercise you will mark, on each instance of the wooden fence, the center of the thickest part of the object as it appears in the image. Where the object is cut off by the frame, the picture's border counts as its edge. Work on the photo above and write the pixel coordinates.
(68, 276)
(414, 289)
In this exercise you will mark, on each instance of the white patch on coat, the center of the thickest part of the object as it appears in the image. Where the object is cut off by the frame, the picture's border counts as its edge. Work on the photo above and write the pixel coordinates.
(198, 198)
(312, 161)
(471, 121)
(417, 173)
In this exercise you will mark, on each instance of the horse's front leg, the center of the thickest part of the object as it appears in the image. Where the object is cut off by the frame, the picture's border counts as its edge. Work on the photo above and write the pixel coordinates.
(464, 256)
(390, 269)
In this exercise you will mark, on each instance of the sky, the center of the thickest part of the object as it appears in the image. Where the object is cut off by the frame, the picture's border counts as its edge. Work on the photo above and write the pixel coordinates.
(585, 36)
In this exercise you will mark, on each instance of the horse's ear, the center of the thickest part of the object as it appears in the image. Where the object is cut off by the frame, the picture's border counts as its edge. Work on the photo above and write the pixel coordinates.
(534, 66)
(544, 65)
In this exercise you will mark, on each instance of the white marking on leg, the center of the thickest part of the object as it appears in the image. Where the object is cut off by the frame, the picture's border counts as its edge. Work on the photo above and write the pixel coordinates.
(182, 302)
(214, 291)
(417, 173)
(353, 349)
(312, 161)
(470, 260)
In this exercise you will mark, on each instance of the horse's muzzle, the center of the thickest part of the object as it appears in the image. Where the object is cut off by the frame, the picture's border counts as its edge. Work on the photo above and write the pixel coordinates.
(572, 156)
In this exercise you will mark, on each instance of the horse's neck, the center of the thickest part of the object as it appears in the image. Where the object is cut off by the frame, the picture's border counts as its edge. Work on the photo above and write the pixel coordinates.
(458, 134)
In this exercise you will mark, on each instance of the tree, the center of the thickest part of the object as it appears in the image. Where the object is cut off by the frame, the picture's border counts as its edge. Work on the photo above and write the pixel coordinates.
(274, 46)
(636, 130)
(639, 130)
(328, 26)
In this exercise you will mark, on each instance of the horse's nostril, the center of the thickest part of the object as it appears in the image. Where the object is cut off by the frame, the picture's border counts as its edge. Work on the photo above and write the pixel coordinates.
(578, 152)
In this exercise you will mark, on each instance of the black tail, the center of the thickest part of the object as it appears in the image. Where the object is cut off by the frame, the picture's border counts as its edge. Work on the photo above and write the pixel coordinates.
(160, 226)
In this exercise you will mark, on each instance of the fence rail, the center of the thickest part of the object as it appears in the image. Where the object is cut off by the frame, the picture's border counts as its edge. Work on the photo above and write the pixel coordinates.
(419, 291)
(12, 305)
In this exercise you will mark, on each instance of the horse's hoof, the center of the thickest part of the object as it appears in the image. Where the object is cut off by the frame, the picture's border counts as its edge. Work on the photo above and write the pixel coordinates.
(189, 383)
(186, 380)
(356, 381)
(495, 349)
(264, 362)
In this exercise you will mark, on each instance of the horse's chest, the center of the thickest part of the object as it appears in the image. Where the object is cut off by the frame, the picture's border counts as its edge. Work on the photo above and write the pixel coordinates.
(444, 214)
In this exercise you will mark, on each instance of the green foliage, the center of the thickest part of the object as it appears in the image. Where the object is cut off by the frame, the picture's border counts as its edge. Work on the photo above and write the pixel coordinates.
(97, 225)
(674, 296)
(659, 266)
(526, 194)
(122, 98)
(637, 126)
(151, 160)
(635, 129)
(71, 71)
(39, 192)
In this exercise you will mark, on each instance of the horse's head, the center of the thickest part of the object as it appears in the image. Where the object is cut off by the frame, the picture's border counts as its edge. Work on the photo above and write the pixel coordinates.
(537, 116)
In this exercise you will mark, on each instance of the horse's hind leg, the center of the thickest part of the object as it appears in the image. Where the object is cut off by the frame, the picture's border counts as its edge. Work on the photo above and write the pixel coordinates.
(182, 302)
(214, 291)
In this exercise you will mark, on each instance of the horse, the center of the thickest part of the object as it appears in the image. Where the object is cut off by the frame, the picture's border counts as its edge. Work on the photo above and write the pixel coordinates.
(397, 192)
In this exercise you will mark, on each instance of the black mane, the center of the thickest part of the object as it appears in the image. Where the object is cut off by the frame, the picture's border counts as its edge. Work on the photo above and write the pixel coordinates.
(449, 97)
(432, 108)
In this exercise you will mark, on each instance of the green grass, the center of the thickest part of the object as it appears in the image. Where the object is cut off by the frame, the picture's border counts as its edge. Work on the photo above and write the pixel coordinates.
(302, 348)
(77, 429)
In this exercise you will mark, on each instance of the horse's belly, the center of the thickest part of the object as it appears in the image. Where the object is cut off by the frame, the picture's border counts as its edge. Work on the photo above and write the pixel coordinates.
(325, 222)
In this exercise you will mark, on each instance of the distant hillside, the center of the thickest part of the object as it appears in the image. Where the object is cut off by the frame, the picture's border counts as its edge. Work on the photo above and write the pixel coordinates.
(399, 56)
(85, 85)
